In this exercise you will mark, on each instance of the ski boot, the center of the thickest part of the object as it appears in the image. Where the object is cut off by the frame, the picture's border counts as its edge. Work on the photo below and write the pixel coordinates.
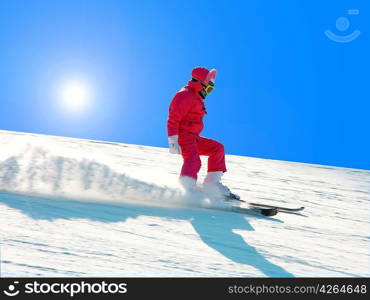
(212, 185)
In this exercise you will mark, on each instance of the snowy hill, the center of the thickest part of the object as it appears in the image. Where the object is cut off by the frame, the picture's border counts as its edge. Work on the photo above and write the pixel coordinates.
(71, 207)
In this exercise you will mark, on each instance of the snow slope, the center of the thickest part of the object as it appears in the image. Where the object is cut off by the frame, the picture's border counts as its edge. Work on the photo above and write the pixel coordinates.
(71, 207)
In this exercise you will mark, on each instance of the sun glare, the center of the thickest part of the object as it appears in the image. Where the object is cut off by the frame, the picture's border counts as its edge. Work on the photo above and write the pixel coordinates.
(75, 96)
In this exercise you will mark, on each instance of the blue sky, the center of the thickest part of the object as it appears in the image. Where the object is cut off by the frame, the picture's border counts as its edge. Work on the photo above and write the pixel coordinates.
(284, 89)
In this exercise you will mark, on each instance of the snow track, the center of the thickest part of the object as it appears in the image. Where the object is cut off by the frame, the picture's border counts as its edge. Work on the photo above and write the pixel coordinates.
(71, 207)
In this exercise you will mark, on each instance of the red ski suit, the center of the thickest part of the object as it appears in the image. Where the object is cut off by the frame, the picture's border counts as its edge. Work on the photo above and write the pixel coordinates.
(186, 120)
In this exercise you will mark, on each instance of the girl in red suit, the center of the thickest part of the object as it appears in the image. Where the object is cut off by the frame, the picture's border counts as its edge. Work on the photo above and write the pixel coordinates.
(185, 123)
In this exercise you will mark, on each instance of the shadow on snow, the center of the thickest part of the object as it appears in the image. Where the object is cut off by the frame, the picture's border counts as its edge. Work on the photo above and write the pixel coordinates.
(215, 228)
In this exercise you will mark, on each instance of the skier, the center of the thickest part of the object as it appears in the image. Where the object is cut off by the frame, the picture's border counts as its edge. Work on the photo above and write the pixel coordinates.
(184, 124)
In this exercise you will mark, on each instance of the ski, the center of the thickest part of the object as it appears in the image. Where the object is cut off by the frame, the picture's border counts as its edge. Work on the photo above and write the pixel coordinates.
(258, 211)
(279, 208)
(267, 206)
(267, 212)
(236, 208)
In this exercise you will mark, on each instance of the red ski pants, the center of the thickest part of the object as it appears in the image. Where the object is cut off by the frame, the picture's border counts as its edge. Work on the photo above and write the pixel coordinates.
(192, 146)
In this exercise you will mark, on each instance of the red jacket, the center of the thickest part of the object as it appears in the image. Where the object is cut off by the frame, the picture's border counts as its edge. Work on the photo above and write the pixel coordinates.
(186, 111)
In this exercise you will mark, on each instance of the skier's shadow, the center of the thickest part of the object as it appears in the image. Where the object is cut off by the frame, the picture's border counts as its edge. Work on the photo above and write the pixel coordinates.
(215, 228)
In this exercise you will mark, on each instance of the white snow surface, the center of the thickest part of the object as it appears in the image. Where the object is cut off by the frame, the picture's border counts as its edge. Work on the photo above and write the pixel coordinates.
(73, 207)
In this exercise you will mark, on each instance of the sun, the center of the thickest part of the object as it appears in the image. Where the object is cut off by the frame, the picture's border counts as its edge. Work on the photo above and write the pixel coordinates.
(75, 96)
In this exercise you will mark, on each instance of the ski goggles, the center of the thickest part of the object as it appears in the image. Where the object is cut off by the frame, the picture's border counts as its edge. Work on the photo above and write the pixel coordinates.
(209, 88)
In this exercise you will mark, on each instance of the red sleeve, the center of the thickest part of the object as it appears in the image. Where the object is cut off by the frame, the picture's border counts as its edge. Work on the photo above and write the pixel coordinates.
(179, 107)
